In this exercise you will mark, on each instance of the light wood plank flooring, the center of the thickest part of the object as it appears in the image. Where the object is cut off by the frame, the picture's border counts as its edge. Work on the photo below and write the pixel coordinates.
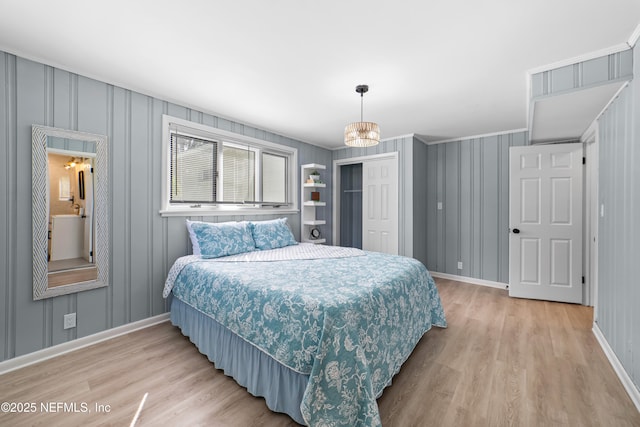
(501, 362)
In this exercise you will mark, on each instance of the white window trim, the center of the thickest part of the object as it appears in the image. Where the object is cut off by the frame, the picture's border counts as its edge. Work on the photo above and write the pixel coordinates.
(205, 131)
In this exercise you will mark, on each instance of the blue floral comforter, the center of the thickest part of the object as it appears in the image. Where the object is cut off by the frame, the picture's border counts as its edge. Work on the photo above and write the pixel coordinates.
(349, 323)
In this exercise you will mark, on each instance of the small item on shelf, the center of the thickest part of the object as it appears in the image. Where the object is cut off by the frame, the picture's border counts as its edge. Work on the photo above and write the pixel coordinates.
(314, 176)
(314, 233)
(315, 196)
(310, 181)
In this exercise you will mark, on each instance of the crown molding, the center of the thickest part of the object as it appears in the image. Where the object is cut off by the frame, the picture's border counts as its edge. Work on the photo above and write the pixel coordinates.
(485, 135)
(635, 36)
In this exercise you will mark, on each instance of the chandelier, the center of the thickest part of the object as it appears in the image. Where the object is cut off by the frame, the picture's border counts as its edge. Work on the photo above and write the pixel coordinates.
(362, 134)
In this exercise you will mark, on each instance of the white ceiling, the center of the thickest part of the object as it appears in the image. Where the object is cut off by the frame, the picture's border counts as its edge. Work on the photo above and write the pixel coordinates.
(568, 116)
(441, 68)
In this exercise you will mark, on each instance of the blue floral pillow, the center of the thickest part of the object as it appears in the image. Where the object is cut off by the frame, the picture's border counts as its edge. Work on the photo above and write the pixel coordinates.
(214, 240)
(272, 234)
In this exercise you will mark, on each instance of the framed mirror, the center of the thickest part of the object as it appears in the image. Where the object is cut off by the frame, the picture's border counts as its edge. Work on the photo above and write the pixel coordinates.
(70, 211)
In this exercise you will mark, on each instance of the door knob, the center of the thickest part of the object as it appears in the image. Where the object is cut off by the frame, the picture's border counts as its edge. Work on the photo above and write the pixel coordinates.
(516, 231)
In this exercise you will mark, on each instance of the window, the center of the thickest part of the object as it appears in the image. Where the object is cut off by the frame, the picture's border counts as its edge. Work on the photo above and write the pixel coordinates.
(65, 188)
(208, 169)
(274, 178)
(238, 174)
(193, 169)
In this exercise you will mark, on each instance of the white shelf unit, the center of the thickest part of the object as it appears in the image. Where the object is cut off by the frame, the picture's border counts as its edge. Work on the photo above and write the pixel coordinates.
(309, 219)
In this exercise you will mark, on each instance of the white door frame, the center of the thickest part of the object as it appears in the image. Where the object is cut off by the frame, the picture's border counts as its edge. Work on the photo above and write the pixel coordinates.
(591, 148)
(336, 186)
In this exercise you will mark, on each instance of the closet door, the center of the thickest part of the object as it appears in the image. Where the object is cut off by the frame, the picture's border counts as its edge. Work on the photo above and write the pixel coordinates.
(380, 205)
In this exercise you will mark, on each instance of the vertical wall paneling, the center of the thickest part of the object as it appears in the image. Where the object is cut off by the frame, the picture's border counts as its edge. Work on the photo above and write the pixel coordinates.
(451, 211)
(138, 220)
(405, 215)
(109, 133)
(598, 71)
(503, 209)
(490, 203)
(89, 107)
(60, 107)
(158, 259)
(442, 218)
(61, 99)
(118, 256)
(634, 237)
(143, 244)
(465, 200)
(5, 182)
(430, 215)
(476, 203)
(470, 178)
(420, 179)
(618, 316)
(30, 107)
(8, 196)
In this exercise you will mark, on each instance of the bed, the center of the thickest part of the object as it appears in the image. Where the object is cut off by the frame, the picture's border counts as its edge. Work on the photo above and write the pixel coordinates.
(318, 331)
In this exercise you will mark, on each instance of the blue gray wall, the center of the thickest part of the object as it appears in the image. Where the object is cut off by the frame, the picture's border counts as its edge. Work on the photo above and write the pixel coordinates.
(143, 244)
(618, 315)
(470, 177)
(420, 203)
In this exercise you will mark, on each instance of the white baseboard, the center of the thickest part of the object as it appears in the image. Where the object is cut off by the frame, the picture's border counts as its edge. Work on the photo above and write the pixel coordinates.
(66, 347)
(471, 280)
(625, 379)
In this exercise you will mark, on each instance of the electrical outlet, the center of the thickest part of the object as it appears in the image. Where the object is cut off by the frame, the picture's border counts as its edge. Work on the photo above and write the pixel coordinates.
(439, 206)
(459, 265)
(69, 321)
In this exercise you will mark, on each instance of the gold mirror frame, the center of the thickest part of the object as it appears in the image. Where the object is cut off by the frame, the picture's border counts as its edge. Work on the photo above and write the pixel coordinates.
(40, 216)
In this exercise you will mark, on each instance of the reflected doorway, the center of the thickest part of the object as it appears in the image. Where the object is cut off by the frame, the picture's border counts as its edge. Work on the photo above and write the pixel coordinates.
(70, 237)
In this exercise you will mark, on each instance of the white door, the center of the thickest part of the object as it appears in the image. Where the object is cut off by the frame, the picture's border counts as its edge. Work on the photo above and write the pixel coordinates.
(545, 218)
(380, 205)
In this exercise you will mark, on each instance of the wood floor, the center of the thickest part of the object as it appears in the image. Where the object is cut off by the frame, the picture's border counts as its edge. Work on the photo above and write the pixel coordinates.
(501, 362)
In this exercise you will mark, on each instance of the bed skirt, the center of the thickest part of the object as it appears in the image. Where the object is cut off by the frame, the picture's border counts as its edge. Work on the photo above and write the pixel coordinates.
(281, 387)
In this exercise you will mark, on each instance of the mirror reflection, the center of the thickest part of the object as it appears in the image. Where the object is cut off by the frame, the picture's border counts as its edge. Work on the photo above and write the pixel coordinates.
(70, 228)
(70, 210)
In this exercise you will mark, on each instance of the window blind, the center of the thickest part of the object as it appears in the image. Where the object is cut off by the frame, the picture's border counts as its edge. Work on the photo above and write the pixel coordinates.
(193, 169)
(238, 174)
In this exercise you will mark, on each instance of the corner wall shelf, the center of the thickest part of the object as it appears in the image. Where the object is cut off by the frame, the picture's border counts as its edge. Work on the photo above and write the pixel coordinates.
(311, 205)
